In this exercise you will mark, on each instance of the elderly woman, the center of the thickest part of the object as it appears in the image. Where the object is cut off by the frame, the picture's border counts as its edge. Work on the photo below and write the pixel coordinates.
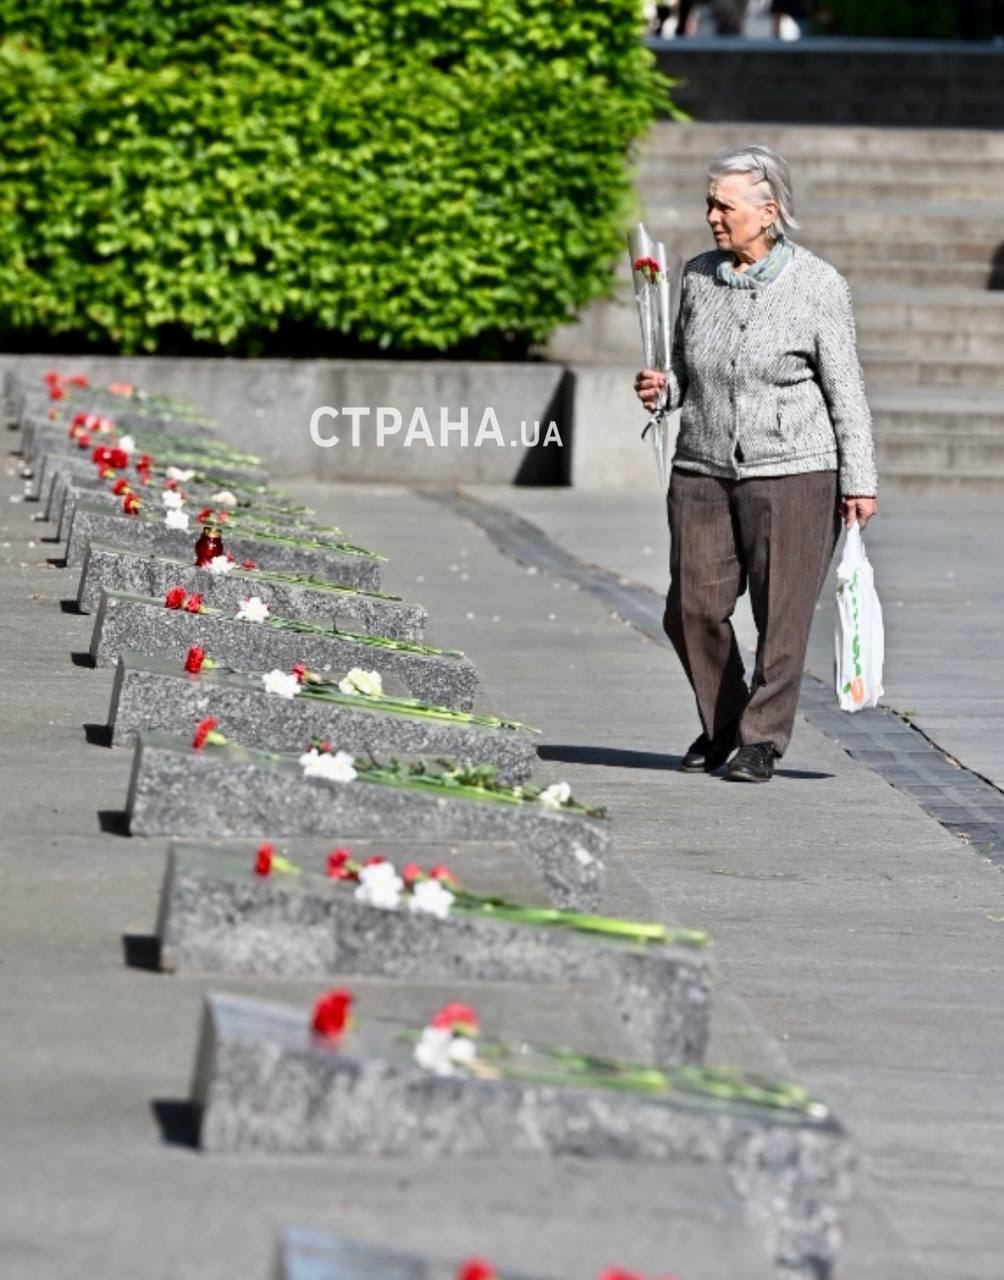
(775, 441)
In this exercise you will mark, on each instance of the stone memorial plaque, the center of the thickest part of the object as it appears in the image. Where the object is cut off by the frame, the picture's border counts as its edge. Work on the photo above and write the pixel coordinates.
(120, 570)
(140, 624)
(235, 791)
(218, 914)
(330, 561)
(157, 694)
(263, 1081)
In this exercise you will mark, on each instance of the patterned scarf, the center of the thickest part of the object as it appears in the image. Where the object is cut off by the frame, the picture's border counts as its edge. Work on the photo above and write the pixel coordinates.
(763, 272)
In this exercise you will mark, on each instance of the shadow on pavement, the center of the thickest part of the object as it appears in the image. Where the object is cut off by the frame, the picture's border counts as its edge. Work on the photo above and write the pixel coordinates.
(113, 822)
(141, 951)
(82, 659)
(98, 735)
(71, 606)
(178, 1122)
(611, 757)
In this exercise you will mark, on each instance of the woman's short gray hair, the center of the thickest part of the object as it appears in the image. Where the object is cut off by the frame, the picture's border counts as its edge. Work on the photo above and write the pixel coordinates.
(771, 181)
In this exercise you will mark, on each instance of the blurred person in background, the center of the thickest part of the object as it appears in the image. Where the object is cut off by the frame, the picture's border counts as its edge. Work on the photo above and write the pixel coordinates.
(799, 11)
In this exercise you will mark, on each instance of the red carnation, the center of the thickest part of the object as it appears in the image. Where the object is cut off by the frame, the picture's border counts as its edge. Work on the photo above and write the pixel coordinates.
(374, 860)
(143, 461)
(51, 378)
(205, 515)
(118, 458)
(130, 504)
(120, 487)
(299, 670)
(338, 863)
(457, 1017)
(476, 1269)
(101, 456)
(248, 564)
(194, 660)
(331, 1013)
(411, 872)
(175, 598)
(79, 380)
(84, 440)
(442, 872)
(170, 484)
(79, 419)
(202, 731)
(263, 862)
(56, 393)
(194, 603)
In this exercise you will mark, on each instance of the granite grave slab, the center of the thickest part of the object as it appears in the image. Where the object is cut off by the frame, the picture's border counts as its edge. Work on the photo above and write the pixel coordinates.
(119, 569)
(218, 915)
(264, 1082)
(330, 561)
(158, 694)
(316, 1255)
(231, 790)
(142, 624)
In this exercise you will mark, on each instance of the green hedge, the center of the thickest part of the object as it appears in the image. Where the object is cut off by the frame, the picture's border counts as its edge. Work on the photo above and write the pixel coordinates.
(413, 176)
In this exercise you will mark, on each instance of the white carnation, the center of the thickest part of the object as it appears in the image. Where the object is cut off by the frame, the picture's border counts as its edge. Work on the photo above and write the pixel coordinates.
(225, 499)
(430, 897)
(281, 683)
(181, 474)
(127, 444)
(557, 794)
(440, 1051)
(254, 609)
(220, 565)
(359, 681)
(337, 767)
(172, 499)
(380, 886)
(176, 519)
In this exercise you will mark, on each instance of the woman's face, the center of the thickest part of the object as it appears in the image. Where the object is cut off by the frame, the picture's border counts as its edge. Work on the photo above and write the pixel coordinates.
(736, 221)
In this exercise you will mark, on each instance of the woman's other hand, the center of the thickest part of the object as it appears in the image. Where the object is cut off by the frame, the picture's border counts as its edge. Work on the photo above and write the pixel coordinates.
(858, 510)
(648, 387)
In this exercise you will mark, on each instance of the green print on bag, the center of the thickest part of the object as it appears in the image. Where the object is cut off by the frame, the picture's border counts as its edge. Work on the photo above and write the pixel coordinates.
(856, 686)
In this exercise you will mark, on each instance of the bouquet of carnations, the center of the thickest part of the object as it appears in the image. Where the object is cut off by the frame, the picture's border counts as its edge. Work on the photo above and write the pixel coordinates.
(651, 293)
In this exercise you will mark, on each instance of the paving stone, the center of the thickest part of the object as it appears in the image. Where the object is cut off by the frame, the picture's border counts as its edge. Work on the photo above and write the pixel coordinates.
(216, 914)
(263, 1082)
(329, 561)
(116, 569)
(238, 791)
(157, 694)
(142, 624)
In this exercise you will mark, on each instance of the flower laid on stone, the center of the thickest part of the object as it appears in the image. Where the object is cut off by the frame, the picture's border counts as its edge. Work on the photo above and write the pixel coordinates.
(208, 516)
(194, 603)
(248, 564)
(341, 866)
(121, 487)
(252, 609)
(267, 861)
(556, 795)
(337, 766)
(178, 598)
(380, 886)
(220, 565)
(431, 897)
(195, 660)
(449, 1041)
(331, 1017)
(225, 499)
(175, 519)
(130, 505)
(172, 499)
(299, 670)
(120, 388)
(281, 683)
(127, 444)
(205, 731)
(368, 683)
(180, 475)
(476, 1269)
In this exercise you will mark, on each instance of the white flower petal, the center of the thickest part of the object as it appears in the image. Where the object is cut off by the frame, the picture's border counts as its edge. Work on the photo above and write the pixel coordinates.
(175, 519)
(127, 444)
(282, 684)
(220, 565)
(225, 499)
(359, 681)
(555, 795)
(181, 474)
(254, 609)
(172, 499)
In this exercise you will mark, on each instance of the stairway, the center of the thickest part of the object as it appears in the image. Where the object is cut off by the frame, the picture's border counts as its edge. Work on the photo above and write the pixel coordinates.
(915, 220)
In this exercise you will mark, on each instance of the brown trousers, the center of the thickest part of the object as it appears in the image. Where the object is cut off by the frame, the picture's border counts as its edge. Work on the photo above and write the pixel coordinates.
(776, 534)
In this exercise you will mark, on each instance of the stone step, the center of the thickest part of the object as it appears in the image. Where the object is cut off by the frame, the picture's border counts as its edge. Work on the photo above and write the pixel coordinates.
(263, 1082)
(701, 140)
(910, 478)
(157, 694)
(231, 790)
(217, 914)
(901, 369)
(679, 181)
(915, 450)
(143, 624)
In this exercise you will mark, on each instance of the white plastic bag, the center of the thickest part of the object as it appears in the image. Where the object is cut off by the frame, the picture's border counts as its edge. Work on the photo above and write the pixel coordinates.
(860, 638)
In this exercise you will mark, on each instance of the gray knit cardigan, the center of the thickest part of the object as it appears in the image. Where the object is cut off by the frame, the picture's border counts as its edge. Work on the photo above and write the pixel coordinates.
(769, 378)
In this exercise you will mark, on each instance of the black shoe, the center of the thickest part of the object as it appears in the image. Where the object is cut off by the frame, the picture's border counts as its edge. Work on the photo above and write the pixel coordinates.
(754, 763)
(705, 756)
